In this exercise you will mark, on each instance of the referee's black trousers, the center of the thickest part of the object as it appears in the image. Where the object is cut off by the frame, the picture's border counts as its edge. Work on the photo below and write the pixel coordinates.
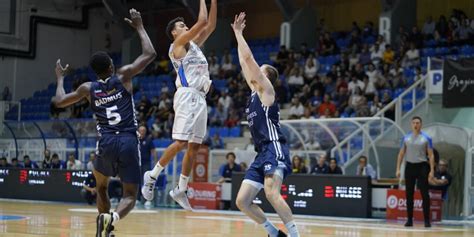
(417, 173)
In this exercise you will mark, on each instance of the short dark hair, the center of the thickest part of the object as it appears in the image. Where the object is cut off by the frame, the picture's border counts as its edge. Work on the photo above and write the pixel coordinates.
(332, 159)
(14, 159)
(26, 157)
(55, 155)
(230, 154)
(417, 117)
(100, 62)
(171, 25)
(363, 157)
(272, 73)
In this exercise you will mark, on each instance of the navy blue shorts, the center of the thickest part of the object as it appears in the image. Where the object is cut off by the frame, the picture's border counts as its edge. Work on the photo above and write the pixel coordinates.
(271, 157)
(118, 154)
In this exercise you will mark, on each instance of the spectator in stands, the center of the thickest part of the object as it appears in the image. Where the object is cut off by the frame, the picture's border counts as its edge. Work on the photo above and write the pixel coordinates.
(307, 114)
(225, 100)
(243, 166)
(282, 58)
(388, 55)
(27, 163)
(376, 105)
(354, 42)
(225, 171)
(47, 160)
(327, 104)
(412, 57)
(428, 28)
(164, 88)
(321, 167)
(401, 37)
(355, 84)
(218, 116)
(363, 110)
(355, 27)
(304, 51)
(316, 99)
(312, 144)
(365, 55)
(295, 80)
(233, 119)
(342, 99)
(464, 32)
(442, 179)
(310, 68)
(390, 113)
(144, 105)
(298, 165)
(296, 109)
(355, 101)
(15, 163)
(442, 26)
(55, 162)
(227, 67)
(6, 94)
(369, 89)
(353, 59)
(368, 29)
(329, 45)
(416, 37)
(88, 191)
(154, 108)
(90, 163)
(214, 68)
(217, 142)
(333, 167)
(73, 163)
(365, 169)
(4, 163)
(376, 55)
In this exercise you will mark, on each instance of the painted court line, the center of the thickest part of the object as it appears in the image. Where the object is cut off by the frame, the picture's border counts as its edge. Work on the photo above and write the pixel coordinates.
(93, 210)
(303, 223)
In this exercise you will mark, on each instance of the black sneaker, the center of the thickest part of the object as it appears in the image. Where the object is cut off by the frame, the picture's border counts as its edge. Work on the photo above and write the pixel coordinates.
(104, 225)
(427, 224)
(409, 223)
(280, 234)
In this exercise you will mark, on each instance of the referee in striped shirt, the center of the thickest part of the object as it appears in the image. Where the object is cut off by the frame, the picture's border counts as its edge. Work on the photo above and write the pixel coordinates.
(417, 149)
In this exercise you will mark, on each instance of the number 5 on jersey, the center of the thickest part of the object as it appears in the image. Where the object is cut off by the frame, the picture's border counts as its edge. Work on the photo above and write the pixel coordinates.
(113, 117)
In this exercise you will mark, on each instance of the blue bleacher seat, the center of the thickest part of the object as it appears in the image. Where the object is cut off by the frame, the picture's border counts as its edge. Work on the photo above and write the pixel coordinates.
(224, 132)
(235, 131)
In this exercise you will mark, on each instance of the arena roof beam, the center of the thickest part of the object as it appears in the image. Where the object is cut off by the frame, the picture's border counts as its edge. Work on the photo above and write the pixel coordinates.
(287, 8)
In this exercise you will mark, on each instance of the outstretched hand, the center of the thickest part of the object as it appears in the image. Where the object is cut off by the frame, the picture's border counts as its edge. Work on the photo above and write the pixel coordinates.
(60, 70)
(135, 20)
(239, 23)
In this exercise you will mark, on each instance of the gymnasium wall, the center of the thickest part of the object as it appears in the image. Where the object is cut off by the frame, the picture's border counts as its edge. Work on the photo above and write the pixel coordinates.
(73, 46)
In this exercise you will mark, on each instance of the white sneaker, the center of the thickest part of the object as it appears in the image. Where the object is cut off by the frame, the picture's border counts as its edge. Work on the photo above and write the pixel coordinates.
(181, 198)
(148, 186)
(148, 205)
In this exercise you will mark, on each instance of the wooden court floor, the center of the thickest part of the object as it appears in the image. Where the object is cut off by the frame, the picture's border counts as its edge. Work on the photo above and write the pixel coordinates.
(21, 219)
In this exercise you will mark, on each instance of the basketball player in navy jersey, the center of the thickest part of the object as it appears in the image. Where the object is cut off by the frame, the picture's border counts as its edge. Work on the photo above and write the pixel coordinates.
(272, 163)
(112, 102)
(192, 83)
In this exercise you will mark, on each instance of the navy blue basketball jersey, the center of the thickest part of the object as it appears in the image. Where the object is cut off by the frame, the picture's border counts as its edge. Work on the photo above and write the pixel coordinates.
(264, 122)
(113, 106)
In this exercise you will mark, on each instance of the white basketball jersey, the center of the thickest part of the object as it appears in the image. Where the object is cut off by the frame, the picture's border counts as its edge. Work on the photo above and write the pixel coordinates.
(192, 70)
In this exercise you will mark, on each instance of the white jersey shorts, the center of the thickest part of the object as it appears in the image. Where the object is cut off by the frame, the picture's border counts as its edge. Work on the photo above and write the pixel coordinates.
(190, 119)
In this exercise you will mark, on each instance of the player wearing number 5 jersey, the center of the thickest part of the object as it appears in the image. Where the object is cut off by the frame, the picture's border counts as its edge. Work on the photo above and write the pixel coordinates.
(112, 103)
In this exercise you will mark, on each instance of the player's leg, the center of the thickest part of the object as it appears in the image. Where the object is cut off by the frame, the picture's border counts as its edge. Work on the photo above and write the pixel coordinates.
(127, 202)
(102, 184)
(410, 180)
(149, 178)
(252, 184)
(272, 186)
(424, 190)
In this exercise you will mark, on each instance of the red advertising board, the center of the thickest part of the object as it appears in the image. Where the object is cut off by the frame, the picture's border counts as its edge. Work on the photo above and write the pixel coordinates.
(397, 205)
(204, 195)
(200, 165)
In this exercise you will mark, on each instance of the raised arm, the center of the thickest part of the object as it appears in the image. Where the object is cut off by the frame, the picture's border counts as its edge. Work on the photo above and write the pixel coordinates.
(210, 27)
(62, 99)
(256, 80)
(182, 40)
(148, 52)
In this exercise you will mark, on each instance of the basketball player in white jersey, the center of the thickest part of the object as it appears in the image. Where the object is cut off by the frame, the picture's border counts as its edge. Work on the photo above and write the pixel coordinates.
(190, 106)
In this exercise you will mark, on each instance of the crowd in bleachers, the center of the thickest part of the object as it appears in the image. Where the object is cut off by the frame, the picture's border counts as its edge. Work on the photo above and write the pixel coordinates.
(346, 74)
(50, 161)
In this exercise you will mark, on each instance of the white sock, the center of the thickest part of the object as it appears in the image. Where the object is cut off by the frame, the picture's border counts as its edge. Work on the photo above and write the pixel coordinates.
(183, 183)
(292, 229)
(270, 228)
(115, 218)
(156, 170)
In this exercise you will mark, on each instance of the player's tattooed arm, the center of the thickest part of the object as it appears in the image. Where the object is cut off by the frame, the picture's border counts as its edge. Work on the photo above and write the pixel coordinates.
(182, 40)
(148, 51)
(250, 69)
(210, 27)
(62, 100)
